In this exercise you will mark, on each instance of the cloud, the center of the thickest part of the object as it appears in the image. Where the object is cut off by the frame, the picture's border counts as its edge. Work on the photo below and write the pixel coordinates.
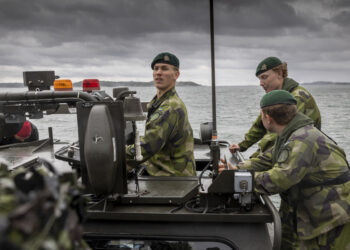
(116, 40)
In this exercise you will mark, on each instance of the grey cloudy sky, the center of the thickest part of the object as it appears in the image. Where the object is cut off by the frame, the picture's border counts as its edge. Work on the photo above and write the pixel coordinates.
(117, 39)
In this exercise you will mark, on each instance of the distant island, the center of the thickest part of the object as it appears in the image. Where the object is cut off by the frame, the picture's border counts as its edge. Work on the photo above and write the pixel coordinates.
(150, 84)
(108, 84)
(134, 84)
(325, 83)
(11, 85)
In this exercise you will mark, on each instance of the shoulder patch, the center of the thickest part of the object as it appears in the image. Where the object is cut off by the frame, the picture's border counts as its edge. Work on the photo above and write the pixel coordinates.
(283, 156)
(155, 116)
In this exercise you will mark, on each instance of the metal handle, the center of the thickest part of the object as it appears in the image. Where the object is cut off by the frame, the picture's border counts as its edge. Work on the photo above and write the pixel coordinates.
(277, 238)
(139, 156)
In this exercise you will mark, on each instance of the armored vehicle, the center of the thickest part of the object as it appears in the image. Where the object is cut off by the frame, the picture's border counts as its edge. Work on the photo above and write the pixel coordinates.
(131, 210)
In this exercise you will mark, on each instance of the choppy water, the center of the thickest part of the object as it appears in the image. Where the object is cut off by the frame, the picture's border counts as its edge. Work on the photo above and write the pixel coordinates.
(237, 108)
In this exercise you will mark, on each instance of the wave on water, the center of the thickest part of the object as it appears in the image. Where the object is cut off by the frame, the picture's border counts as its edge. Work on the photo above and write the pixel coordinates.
(237, 107)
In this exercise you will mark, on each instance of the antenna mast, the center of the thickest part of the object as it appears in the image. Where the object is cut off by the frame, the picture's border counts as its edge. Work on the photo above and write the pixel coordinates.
(214, 145)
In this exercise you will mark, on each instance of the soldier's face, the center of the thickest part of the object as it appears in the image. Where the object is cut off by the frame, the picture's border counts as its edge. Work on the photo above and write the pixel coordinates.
(164, 76)
(270, 80)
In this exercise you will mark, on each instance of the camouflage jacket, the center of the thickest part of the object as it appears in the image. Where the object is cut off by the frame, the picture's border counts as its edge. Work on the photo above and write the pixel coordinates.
(312, 176)
(306, 104)
(167, 147)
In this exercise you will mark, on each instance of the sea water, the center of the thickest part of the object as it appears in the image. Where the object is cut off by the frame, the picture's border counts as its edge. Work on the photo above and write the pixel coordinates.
(236, 107)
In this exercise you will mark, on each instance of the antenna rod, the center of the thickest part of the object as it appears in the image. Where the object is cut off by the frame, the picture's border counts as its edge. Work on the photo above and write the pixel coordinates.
(214, 145)
(213, 92)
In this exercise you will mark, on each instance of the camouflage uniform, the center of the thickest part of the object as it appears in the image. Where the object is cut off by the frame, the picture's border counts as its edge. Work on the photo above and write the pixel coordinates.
(167, 147)
(261, 160)
(312, 176)
(305, 104)
(39, 210)
(333, 239)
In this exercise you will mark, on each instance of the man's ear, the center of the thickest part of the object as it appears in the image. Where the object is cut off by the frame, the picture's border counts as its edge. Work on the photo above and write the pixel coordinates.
(268, 119)
(266, 116)
(177, 74)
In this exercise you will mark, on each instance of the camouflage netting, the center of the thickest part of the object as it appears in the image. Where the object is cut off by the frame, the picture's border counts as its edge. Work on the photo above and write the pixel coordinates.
(40, 209)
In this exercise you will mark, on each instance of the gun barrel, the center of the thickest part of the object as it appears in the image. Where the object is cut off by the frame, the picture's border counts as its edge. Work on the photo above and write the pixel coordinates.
(45, 95)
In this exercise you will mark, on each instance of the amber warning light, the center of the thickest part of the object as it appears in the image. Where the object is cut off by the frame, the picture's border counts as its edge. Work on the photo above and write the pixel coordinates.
(63, 85)
(91, 84)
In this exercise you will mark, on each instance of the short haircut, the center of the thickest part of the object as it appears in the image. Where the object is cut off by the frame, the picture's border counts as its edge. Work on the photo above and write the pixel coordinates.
(282, 68)
(282, 114)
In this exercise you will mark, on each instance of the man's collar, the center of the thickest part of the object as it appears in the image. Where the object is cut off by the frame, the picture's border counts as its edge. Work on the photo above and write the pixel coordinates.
(155, 102)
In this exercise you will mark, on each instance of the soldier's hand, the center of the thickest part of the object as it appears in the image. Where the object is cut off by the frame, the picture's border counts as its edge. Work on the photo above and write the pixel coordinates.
(234, 148)
(225, 166)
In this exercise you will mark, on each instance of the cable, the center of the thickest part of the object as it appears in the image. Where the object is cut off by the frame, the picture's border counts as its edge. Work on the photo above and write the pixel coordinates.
(201, 174)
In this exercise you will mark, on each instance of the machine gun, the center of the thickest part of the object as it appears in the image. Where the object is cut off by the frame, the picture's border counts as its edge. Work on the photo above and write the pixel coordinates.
(39, 99)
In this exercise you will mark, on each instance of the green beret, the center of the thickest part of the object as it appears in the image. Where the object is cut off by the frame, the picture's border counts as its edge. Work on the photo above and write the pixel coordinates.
(267, 64)
(167, 58)
(277, 97)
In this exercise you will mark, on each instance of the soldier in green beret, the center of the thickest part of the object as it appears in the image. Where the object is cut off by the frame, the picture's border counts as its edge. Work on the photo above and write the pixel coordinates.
(311, 174)
(273, 74)
(167, 146)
